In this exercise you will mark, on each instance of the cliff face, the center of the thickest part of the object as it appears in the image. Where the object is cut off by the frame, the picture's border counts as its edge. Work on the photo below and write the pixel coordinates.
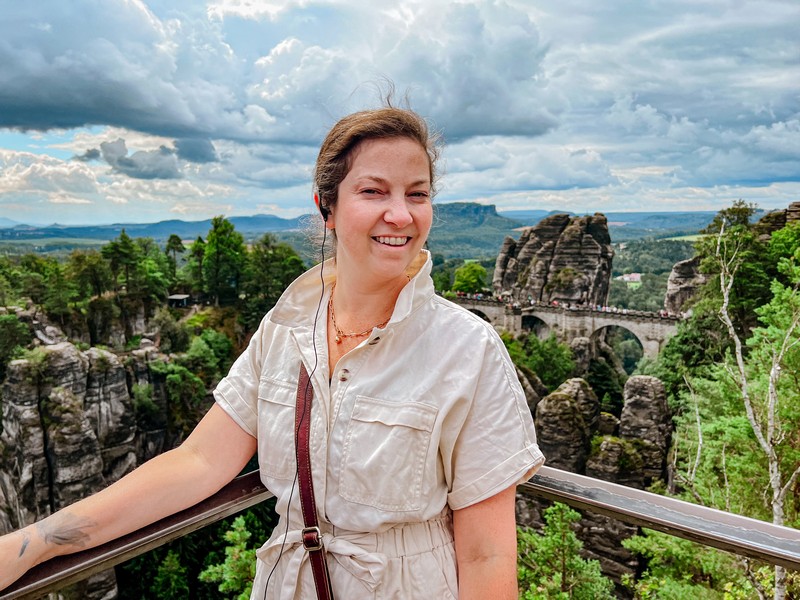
(683, 283)
(562, 258)
(68, 430)
(631, 451)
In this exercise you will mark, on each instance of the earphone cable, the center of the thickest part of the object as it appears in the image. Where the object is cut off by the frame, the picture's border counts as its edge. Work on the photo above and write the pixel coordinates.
(303, 414)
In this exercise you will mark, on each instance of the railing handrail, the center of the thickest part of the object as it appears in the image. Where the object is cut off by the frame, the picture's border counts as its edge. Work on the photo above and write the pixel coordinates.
(719, 529)
(708, 526)
(238, 495)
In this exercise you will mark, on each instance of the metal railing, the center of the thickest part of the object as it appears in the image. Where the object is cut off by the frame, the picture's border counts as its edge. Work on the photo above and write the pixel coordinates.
(740, 535)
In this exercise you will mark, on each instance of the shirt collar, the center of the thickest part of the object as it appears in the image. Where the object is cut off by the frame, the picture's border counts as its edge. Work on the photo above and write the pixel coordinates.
(302, 300)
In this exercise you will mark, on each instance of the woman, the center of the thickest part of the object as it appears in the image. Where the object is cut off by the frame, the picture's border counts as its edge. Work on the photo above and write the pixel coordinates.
(419, 428)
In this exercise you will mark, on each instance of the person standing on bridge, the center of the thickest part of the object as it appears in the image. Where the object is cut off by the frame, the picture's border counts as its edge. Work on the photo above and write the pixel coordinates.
(419, 429)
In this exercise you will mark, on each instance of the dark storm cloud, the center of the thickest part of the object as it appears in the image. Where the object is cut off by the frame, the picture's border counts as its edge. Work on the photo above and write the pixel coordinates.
(90, 155)
(196, 150)
(156, 164)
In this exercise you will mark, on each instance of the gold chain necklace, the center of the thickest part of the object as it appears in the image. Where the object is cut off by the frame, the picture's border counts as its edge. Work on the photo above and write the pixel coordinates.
(341, 334)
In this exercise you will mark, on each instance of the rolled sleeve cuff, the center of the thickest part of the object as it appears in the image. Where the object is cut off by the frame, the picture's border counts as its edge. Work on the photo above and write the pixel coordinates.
(236, 407)
(514, 470)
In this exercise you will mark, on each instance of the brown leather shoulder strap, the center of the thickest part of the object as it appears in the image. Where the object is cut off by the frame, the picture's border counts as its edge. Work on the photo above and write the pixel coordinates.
(312, 537)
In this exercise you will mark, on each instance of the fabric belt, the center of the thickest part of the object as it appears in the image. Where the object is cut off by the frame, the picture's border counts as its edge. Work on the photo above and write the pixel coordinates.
(365, 556)
(311, 536)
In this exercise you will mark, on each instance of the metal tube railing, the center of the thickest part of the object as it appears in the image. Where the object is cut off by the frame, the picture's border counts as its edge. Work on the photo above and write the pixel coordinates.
(715, 528)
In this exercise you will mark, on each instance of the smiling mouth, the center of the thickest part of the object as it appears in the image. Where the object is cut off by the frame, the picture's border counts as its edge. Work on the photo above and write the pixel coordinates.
(392, 241)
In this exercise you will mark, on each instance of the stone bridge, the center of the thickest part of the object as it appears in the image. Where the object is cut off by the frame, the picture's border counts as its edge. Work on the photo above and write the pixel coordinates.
(651, 329)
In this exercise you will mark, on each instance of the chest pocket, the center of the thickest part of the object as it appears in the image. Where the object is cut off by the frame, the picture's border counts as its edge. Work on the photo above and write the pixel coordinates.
(383, 459)
(276, 407)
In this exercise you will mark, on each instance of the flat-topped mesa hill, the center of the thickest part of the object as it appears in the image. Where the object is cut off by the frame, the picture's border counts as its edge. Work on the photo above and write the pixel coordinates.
(562, 258)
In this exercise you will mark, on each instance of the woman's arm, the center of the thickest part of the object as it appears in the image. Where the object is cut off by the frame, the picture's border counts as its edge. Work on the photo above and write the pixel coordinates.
(486, 548)
(214, 453)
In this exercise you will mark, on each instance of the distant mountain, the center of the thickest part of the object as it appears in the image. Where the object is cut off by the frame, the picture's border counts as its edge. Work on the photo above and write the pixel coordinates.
(247, 226)
(460, 229)
(529, 218)
(8, 223)
(624, 226)
(469, 230)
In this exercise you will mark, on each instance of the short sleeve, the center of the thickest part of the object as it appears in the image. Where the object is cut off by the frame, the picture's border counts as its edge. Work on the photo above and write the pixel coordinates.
(495, 446)
(237, 392)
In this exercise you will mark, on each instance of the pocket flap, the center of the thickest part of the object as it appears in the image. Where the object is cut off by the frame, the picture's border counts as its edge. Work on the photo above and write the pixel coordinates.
(408, 414)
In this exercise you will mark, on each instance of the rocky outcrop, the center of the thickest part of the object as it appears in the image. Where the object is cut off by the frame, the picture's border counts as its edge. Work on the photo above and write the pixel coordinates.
(532, 386)
(565, 423)
(683, 283)
(631, 451)
(777, 219)
(69, 428)
(646, 420)
(562, 258)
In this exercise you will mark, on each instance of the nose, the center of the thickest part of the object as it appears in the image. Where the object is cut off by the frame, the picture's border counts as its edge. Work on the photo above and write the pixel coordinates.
(397, 212)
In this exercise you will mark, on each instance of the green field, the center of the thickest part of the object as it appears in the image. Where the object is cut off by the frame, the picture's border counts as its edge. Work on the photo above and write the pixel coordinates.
(48, 244)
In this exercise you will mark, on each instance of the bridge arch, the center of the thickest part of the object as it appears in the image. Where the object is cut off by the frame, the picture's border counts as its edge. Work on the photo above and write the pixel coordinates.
(534, 324)
(651, 329)
(626, 344)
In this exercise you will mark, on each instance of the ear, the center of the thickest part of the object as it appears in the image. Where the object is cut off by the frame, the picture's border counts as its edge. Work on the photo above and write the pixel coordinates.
(330, 219)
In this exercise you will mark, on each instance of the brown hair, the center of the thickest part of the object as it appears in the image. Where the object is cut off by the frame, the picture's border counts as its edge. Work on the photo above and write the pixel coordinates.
(336, 153)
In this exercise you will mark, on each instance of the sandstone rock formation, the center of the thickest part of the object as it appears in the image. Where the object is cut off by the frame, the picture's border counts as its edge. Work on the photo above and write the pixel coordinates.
(562, 258)
(565, 423)
(683, 283)
(777, 219)
(69, 428)
(686, 278)
(646, 419)
(630, 451)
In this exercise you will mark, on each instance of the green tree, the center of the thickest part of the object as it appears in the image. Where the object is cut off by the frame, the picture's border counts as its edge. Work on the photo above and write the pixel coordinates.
(469, 278)
(737, 420)
(185, 394)
(60, 291)
(14, 335)
(549, 566)
(271, 267)
(550, 359)
(223, 260)
(173, 248)
(90, 271)
(732, 237)
(6, 291)
(194, 267)
(150, 279)
(122, 255)
(173, 336)
(677, 568)
(170, 581)
(235, 574)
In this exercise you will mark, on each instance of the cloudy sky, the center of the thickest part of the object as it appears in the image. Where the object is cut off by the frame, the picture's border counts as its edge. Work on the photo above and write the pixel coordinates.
(144, 110)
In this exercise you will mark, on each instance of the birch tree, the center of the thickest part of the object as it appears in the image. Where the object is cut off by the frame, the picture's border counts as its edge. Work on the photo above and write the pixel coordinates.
(764, 372)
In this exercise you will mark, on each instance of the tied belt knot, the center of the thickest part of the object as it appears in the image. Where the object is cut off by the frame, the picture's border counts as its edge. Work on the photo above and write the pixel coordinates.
(348, 549)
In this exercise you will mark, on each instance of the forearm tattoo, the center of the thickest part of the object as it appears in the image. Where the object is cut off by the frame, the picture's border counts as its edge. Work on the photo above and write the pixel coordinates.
(26, 539)
(65, 529)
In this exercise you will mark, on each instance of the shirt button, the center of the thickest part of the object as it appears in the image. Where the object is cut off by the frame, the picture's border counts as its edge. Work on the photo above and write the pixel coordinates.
(344, 375)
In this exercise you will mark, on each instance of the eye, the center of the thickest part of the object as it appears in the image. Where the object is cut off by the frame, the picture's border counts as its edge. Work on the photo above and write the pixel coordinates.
(370, 191)
(419, 195)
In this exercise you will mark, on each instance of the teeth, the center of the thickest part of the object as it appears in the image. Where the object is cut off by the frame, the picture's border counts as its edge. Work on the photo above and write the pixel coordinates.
(392, 241)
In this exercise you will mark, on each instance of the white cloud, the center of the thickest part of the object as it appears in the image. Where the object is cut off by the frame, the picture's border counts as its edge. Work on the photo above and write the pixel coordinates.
(223, 104)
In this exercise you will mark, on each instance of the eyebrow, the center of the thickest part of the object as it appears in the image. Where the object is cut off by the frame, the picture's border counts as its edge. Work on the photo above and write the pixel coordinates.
(383, 181)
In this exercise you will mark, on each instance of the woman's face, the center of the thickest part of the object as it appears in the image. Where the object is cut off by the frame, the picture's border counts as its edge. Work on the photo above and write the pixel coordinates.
(383, 212)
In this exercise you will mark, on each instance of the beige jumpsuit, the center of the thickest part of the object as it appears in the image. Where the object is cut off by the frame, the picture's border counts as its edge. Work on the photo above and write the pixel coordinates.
(424, 417)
